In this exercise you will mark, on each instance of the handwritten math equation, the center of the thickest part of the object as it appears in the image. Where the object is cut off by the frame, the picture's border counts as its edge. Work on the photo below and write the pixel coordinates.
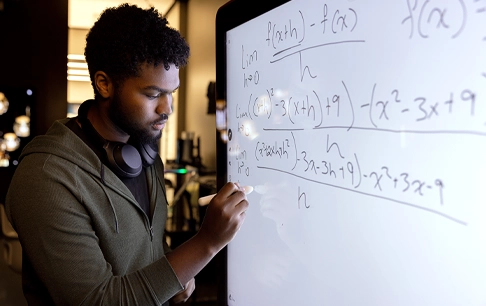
(339, 108)
(338, 24)
(287, 153)
(325, 102)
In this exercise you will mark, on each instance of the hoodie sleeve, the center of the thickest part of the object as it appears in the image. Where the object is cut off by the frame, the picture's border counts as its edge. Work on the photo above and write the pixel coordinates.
(69, 239)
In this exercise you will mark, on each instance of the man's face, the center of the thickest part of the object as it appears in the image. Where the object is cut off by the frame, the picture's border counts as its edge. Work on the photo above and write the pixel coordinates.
(139, 103)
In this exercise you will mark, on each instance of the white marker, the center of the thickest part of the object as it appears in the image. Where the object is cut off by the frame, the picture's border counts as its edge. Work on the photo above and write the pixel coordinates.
(203, 201)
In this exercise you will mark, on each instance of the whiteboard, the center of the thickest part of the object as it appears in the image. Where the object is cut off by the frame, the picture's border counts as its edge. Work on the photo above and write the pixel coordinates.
(362, 127)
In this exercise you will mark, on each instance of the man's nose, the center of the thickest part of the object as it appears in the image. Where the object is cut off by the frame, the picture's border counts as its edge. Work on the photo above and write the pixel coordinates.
(165, 105)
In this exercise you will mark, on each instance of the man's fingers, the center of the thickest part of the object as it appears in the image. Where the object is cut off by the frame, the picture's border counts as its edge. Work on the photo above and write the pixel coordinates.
(185, 294)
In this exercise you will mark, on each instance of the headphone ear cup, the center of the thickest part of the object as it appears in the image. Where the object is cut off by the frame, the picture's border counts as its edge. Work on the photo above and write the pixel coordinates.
(147, 153)
(123, 159)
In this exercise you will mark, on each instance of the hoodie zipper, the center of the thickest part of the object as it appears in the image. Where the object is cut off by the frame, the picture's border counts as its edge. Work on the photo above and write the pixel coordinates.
(151, 233)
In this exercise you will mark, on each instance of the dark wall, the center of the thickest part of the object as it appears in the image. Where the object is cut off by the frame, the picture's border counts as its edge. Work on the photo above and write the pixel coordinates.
(33, 54)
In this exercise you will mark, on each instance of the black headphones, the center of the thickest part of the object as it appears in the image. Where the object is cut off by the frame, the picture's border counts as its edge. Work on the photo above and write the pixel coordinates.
(125, 159)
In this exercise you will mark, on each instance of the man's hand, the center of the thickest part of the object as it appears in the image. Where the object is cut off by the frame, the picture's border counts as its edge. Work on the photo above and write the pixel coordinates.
(224, 216)
(183, 295)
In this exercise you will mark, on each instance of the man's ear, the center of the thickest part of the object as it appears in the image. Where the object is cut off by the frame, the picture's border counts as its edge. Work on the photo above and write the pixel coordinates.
(103, 84)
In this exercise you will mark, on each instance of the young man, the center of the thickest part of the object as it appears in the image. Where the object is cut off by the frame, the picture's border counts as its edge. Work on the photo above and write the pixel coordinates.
(88, 198)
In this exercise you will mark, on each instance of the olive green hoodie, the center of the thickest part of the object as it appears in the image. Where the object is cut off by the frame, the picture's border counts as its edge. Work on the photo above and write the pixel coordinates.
(86, 241)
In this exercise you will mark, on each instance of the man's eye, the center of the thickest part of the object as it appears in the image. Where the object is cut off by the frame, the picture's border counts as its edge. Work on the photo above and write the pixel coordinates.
(152, 97)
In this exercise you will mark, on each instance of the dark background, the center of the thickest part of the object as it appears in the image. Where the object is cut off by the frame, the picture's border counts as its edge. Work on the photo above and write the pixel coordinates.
(33, 55)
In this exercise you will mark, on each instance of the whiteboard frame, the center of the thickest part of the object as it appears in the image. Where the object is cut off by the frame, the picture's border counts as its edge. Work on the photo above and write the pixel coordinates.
(229, 16)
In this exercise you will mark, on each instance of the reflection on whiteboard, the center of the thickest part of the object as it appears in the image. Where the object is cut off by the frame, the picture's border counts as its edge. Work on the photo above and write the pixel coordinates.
(362, 127)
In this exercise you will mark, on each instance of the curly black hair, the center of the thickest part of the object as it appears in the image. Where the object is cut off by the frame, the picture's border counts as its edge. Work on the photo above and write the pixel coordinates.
(125, 37)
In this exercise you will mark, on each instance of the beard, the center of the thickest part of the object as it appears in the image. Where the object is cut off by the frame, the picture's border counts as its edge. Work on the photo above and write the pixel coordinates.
(123, 119)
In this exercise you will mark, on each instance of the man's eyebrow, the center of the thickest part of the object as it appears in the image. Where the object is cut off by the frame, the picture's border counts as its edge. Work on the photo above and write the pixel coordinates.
(161, 90)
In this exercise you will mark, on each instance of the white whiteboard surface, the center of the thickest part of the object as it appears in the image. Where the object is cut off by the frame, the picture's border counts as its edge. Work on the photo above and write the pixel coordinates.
(362, 126)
